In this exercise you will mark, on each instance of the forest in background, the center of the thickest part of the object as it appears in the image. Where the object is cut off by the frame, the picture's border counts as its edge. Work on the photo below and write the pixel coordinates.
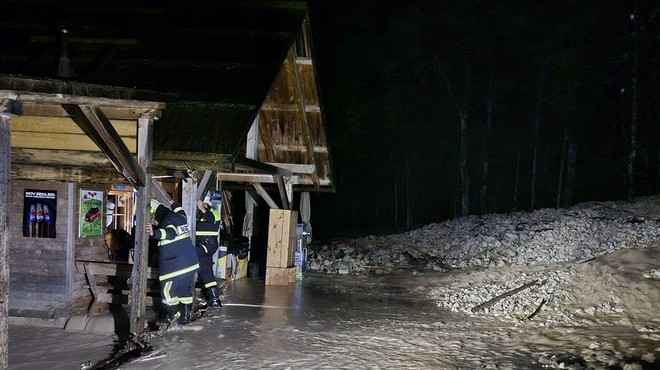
(440, 109)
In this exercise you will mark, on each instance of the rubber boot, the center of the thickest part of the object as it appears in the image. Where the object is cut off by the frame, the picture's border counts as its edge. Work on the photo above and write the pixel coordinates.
(186, 310)
(214, 299)
(173, 314)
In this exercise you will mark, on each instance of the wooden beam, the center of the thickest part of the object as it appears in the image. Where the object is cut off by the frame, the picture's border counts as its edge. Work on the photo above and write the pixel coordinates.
(71, 234)
(282, 107)
(57, 141)
(141, 255)
(267, 179)
(214, 159)
(296, 168)
(299, 148)
(71, 92)
(204, 184)
(189, 204)
(97, 126)
(127, 129)
(304, 61)
(37, 109)
(251, 177)
(244, 162)
(66, 174)
(158, 193)
(252, 140)
(72, 158)
(286, 204)
(5, 191)
(172, 167)
(264, 194)
(307, 127)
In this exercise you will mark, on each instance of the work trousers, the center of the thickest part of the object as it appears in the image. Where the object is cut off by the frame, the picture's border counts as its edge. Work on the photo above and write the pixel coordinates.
(179, 289)
(205, 251)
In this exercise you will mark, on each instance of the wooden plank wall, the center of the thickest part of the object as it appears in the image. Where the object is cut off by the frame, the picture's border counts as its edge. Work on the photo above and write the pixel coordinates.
(38, 266)
(61, 133)
(88, 248)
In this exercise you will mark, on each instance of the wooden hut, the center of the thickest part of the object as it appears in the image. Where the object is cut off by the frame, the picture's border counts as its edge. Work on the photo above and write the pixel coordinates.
(221, 91)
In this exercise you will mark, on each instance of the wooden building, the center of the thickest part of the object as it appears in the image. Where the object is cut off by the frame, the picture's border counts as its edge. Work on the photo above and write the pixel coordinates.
(160, 96)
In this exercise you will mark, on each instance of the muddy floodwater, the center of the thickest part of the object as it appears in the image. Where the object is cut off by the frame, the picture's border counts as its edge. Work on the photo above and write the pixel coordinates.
(333, 322)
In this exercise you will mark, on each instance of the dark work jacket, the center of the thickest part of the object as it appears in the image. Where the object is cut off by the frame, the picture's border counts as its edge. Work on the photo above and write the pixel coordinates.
(208, 225)
(177, 253)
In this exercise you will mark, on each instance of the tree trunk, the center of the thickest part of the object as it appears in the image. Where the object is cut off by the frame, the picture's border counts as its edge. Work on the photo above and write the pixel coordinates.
(465, 179)
(408, 194)
(486, 146)
(570, 173)
(657, 169)
(396, 197)
(535, 139)
(562, 167)
(516, 179)
(632, 151)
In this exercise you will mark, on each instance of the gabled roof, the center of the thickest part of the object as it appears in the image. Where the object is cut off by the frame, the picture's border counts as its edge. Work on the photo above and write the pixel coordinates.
(211, 63)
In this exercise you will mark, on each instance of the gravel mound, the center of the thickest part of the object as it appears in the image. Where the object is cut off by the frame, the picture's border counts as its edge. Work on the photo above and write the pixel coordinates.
(540, 237)
(549, 267)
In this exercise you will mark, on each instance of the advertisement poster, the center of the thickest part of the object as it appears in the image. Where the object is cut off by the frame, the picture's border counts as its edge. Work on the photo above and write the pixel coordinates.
(91, 204)
(215, 199)
(39, 213)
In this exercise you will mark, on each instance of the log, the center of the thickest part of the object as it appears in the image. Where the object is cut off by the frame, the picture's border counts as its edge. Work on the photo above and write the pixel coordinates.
(502, 296)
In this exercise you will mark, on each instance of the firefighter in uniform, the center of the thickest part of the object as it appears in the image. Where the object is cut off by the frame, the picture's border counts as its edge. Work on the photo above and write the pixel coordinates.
(177, 262)
(208, 225)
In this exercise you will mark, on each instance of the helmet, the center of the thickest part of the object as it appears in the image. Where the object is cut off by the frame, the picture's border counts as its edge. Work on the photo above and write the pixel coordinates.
(153, 205)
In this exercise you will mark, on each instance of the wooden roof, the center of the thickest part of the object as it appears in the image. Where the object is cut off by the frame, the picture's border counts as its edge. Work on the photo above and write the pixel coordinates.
(204, 70)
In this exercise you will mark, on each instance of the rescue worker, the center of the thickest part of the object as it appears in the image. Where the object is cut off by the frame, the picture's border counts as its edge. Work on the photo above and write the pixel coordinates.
(177, 262)
(208, 225)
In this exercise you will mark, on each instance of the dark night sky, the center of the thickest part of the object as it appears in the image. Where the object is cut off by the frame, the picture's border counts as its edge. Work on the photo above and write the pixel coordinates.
(537, 83)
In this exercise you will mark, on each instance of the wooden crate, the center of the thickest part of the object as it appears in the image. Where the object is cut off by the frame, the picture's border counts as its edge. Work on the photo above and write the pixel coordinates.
(282, 238)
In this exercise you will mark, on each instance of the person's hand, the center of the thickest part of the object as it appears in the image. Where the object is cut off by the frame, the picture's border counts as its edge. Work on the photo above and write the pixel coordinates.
(149, 228)
(200, 205)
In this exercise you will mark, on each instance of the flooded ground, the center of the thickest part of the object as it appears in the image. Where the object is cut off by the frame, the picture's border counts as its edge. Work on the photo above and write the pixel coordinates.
(339, 322)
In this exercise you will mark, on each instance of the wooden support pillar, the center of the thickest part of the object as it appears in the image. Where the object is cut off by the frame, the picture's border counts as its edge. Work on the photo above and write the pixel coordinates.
(264, 194)
(141, 255)
(189, 204)
(280, 260)
(71, 233)
(204, 184)
(5, 190)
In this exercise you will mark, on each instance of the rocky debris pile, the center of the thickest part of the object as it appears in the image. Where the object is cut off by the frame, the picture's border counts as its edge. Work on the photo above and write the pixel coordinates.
(540, 237)
(526, 266)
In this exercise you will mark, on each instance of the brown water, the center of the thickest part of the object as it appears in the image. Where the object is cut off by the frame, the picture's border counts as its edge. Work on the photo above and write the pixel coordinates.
(327, 322)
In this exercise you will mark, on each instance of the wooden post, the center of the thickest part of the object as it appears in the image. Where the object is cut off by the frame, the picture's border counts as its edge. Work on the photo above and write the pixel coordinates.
(189, 204)
(71, 233)
(5, 190)
(280, 260)
(141, 254)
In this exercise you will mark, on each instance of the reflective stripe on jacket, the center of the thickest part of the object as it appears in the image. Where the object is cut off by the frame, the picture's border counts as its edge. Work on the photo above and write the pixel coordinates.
(177, 253)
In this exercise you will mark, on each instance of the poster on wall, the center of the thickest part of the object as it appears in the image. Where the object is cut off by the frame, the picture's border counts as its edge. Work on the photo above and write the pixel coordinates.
(91, 204)
(39, 213)
(215, 199)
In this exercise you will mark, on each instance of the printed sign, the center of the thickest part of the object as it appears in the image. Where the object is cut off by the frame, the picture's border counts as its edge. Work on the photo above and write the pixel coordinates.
(91, 206)
(39, 213)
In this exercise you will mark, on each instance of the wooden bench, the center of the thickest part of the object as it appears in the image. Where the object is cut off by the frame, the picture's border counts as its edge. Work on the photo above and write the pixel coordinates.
(105, 292)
